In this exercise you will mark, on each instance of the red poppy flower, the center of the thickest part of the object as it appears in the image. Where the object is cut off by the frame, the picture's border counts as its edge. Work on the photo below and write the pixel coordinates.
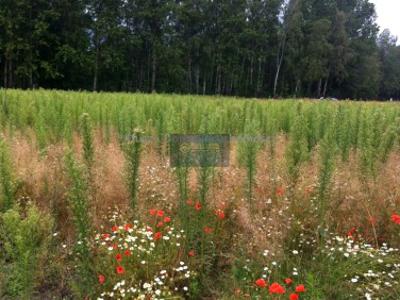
(128, 226)
(208, 230)
(118, 257)
(197, 206)
(191, 253)
(120, 270)
(101, 278)
(280, 191)
(351, 232)
(105, 236)
(167, 219)
(300, 288)
(115, 246)
(114, 228)
(294, 297)
(127, 253)
(160, 213)
(261, 283)
(160, 224)
(288, 281)
(276, 288)
(157, 236)
(220, 214)
(396, 219)
(153, 212)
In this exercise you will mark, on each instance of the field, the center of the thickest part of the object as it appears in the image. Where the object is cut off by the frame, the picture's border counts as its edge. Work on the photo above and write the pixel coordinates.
(90, 207)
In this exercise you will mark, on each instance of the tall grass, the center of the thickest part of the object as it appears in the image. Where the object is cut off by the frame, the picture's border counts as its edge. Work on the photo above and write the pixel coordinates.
(132, 152)
(6, 179)
(78, 199)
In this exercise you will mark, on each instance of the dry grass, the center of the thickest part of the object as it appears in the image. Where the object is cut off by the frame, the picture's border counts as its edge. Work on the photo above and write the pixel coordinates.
(353, 203)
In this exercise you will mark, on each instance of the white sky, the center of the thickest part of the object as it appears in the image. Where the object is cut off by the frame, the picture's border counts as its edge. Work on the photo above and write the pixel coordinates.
(389, 15)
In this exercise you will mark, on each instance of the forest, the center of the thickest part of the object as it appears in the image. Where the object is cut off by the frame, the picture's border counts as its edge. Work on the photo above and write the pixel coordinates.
(246, 48)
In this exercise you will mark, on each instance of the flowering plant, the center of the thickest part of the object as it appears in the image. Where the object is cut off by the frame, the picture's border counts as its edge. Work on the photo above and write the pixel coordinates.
(139, 261)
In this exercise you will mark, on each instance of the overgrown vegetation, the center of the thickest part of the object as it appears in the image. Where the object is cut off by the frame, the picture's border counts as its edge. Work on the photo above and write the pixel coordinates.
(306, 209)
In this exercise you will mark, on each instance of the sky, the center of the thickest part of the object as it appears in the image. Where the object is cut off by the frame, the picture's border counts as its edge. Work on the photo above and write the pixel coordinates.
(389, 15)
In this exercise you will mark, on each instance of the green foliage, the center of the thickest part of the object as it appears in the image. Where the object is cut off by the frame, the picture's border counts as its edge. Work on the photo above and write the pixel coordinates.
(79, 204)
(132, 154)
(248, 146)
(296, 152)
(25, 234)
(87, 140)
(328, 150)
(6, 179)
(242, 48)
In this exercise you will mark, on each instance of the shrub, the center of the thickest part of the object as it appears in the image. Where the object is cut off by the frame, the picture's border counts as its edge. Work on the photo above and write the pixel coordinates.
(24, 235)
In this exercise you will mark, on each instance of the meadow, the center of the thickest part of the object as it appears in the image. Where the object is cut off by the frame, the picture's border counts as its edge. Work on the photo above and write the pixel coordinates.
(90, 207)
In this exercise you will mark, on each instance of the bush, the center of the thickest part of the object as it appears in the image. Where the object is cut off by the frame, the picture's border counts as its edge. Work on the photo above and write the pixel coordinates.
(25, 236)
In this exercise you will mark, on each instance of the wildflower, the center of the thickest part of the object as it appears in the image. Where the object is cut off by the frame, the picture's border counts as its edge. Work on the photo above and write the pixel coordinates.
(300, 288)
(288, 281)
(189, 202)
(208, 230)
(280, 191)
(261, 283)
(153, 212)
(127, 253)
(294, 297)
(197, 206)
(160, 224)
(120, 270)
(276, 288)
(115, 246)
(114, 228)
(157, 236)
(128, 226)
(220, 214)
(160, 213)
(396, 219)
(191, 253)
(101, 278)
(105, 236)
(118, 257)
(351, 232)
(167, 219)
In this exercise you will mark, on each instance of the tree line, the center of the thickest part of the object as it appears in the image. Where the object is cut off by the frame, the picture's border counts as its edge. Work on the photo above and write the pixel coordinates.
(252, 48)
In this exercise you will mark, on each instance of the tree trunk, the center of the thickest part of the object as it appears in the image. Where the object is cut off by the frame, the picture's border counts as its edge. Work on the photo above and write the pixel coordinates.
(153, 72)
(251, 71)
(204, 84)
(319, 88)
(296, 90)
(5, 73)
(325, 87)
(259, 78)
(279, 60)
(190, 74)
(10, 74)
(197, 78)
(96, 67)
(218, 80)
